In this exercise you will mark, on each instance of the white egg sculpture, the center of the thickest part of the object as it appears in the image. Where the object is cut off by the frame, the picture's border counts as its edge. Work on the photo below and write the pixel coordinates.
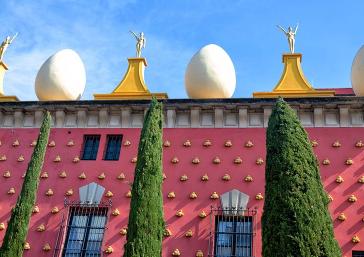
(357, 73)
(61, 77)
(210, 74)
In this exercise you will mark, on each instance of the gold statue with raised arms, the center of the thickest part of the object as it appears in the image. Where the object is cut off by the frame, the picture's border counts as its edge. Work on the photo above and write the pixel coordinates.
(141, 40)
(291, 34)
(5, 44)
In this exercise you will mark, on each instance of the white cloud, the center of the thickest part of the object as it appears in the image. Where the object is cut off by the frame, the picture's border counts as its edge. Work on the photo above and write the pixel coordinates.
(96, 33)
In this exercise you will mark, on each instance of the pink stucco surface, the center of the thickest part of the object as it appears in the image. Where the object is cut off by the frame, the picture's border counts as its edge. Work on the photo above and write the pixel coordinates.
(344, 230)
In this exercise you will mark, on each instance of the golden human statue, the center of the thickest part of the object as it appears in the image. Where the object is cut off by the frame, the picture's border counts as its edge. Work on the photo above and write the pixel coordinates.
(5, 44)
(141, 40)
(290, 36)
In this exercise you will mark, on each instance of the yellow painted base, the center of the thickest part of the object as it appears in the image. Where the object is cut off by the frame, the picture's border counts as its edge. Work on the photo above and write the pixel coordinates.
(287, 94)
(293, 82)
(132, 86)
(5, 98)
(130, 96)
(8, 98)
(3, 69)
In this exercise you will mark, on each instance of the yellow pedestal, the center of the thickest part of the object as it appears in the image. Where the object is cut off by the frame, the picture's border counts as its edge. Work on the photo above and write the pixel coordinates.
(5, 98)
(132, 87)
(293, 82)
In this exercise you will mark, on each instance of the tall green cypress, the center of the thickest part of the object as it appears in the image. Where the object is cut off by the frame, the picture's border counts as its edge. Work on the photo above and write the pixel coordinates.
(296, 221)
(146, 224)
(17, 229)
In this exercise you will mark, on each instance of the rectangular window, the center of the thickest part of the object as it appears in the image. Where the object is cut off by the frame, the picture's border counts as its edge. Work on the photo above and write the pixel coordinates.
(358, 253)
(90, 147)
(85, 232)
(233, 236)
(113, 145)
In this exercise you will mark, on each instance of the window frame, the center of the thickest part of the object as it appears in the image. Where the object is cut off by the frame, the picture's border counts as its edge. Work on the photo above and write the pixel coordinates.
(234, 236)
(241, 242)
(114, 156)
(90, 211)
(93, 152)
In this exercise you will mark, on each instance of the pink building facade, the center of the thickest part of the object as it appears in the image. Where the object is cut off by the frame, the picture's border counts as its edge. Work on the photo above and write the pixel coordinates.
(211, 148)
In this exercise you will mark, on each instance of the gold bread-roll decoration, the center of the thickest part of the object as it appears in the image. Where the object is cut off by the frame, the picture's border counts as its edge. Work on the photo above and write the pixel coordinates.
(207, 143)
(115, 212)
(176, 252)
(228, 143)
(26, 246)
(57, 159)
(180, 213)
(41, 228)
(259, 196)
(46, 247)
(214, 196)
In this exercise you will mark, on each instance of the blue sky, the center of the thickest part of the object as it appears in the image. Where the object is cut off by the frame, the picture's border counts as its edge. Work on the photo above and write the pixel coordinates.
(330, 34)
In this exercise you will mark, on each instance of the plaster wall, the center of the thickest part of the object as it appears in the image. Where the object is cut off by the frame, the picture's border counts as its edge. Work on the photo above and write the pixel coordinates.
(344, 230)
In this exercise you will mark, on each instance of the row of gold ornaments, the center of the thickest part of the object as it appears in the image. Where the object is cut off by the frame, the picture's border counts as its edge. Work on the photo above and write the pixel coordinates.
(175, 160)
(208, 143)
(337, 144)
(249, 143)
(183, 178)
(51, 143)
(188, 143)
(63, 174)
(175, 252)
(58, 158)
(108, 250)
(216, 160)
(348, 161)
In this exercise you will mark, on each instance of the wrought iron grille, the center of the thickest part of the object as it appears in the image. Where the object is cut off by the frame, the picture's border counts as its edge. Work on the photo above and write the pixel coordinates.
(82, 230)
(232, 232)
(358, 253)
(90, 147)
(112, 150)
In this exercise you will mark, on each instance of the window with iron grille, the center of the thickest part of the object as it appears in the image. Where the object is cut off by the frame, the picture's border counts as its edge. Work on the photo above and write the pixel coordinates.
(358, 253)
(90, 147)
(233, 233)
(113, 145)
(85, 231)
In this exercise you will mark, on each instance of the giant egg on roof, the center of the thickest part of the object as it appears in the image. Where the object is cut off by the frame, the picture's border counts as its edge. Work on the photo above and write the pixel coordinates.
(61, 77)
(210, 74)
(357, 73)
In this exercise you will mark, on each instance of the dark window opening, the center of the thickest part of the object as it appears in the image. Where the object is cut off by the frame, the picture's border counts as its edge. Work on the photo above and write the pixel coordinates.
(90, 147)
(358, 253)
(85, 231)
(233, 233)
(113, 145)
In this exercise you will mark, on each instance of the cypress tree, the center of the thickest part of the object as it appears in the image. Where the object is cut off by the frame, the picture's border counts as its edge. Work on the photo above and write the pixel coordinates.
(146, 224)
(296, 221)
(17, 229)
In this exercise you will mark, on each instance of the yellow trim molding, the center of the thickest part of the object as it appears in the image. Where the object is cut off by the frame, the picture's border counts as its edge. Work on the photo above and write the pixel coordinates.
(5, 98)
(132, 86)
(293, 82)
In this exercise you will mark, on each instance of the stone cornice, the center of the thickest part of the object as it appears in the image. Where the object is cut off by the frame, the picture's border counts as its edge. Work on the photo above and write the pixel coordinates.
(183, 113)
